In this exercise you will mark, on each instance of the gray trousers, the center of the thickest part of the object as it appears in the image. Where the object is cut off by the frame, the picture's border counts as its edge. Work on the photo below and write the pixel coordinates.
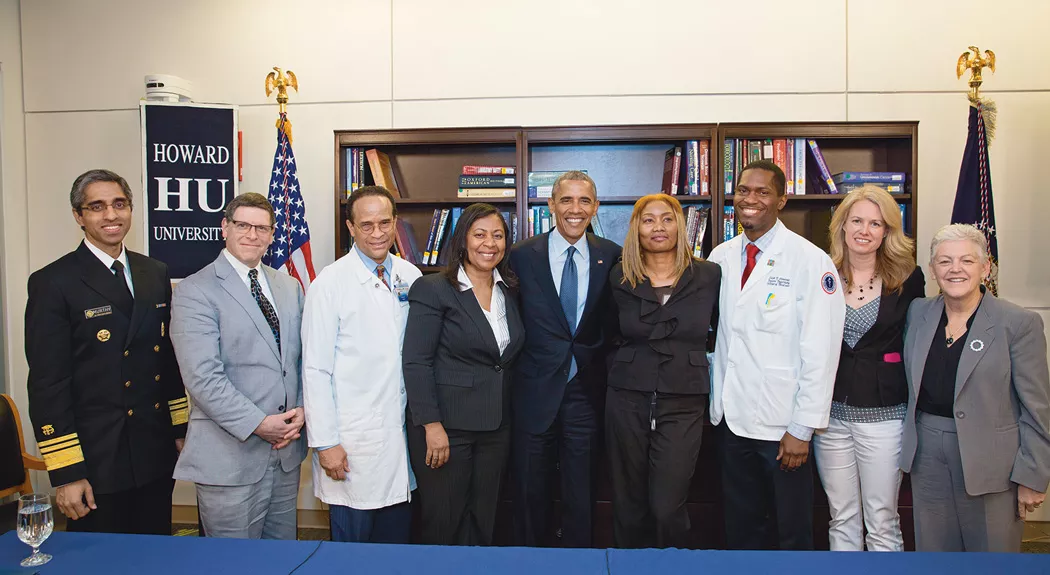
(263, 510)
(946, 517)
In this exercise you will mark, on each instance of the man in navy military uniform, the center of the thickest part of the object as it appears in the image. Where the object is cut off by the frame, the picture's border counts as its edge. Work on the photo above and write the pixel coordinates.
(105, 396)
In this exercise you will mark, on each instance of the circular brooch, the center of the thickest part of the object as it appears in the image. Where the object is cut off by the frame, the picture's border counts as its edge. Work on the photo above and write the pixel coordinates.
(977, 345)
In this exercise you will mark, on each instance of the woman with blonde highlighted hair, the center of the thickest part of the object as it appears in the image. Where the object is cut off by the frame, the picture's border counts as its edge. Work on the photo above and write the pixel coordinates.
(658, 384)
(857, 454)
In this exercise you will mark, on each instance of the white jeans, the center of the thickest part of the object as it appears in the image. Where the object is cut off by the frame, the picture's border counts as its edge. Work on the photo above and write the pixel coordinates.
(858, 465)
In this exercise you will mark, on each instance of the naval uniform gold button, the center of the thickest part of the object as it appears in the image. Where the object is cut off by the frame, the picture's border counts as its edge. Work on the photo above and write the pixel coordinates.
(125, 353)
(156, 406)
(156, 348)
(156, 378)
(131, 412)
(127, 384)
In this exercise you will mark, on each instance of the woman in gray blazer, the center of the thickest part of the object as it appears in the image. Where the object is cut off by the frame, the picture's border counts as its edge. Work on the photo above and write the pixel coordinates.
(977, 433)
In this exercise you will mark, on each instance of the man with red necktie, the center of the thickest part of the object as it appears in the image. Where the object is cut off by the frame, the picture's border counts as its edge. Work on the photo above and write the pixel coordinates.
(773, 373)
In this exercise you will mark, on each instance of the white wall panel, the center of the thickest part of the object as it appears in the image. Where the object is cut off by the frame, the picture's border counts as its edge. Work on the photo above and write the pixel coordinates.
(904, 45)
(93, 56)
(1015, 154)
(477, 48)
(619, 110)
(60, 147)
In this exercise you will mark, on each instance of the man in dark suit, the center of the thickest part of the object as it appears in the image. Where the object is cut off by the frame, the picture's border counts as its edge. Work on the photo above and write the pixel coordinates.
(560, 381)
(105, 397)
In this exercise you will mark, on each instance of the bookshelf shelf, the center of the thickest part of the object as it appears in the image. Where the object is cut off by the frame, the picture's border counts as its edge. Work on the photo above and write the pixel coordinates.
(826, 198)
(447, 201)
(626, 162)
(631, 200)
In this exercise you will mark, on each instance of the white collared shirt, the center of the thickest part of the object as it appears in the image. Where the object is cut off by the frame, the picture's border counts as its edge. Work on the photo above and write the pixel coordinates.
(242, 270)
(497, 318)
(107, 261)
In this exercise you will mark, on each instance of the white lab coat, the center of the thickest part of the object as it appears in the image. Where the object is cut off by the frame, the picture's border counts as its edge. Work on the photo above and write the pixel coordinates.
(353, 387)
(778, 339)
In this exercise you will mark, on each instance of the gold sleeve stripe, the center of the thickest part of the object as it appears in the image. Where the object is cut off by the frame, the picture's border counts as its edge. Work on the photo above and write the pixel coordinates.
(180, 416)
(60, 446)
(62, 439)
(63, 458)
(178, 402)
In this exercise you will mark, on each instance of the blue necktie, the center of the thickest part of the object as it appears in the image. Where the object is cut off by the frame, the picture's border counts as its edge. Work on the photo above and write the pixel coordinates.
(568, 294)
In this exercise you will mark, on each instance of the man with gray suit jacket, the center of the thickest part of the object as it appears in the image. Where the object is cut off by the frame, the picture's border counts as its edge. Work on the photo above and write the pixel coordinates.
(235, 325)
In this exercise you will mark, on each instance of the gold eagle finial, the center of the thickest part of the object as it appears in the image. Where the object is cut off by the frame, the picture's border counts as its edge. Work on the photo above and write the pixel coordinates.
(279, 81)
(973, 60)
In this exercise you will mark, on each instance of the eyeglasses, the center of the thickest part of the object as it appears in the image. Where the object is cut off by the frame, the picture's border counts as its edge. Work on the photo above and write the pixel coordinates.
(368, 227)
(245, 227)
(99, 207)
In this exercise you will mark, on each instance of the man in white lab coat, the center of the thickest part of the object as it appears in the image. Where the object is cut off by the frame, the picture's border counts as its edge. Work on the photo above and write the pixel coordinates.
(779, 334)
(353, 388)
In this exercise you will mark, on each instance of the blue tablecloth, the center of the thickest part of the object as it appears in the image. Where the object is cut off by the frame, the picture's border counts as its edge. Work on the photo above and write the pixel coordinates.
(674, 561)
(89, 553)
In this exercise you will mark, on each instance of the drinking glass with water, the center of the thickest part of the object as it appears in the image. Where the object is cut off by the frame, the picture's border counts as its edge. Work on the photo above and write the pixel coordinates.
(35, 523)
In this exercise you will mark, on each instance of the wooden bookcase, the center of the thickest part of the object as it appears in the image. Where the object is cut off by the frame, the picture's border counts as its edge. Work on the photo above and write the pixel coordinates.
(626, 163)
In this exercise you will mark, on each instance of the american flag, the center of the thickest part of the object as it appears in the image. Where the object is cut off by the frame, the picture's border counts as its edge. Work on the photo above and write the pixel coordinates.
(973, 196)
(290, 250)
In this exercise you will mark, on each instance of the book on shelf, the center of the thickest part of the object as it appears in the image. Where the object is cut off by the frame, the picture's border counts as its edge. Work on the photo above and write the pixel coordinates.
(382, 171)
(703, 215)
(614, 219)
(439, 236)
(729, 165)
(486, 192)
(488, 170)
(434, 220)
(466, 181)
(789, 154)
(672, 169)
(869, 177)
(826, 183)
(846, 188)
(800, 166)
(704, 153)
(541, 183)
(356, 175)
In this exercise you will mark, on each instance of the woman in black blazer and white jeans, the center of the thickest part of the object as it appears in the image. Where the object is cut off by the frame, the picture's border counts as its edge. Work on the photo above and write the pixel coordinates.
(659, 383)
(463, 335)
(857, 454)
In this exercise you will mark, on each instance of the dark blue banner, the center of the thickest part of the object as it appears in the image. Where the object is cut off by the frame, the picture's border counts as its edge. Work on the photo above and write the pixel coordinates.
(189, 173)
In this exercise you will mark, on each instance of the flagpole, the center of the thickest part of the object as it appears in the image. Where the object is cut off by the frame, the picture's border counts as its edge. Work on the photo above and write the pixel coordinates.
(290, 249)
(973, 196)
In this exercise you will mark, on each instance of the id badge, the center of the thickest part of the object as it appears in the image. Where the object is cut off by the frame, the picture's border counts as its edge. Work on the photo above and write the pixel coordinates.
(401, 290)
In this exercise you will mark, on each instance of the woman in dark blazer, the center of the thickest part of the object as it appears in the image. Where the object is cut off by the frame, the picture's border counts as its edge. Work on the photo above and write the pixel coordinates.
(658, 383)
(977, 433)
(856, 455)
(464, 333)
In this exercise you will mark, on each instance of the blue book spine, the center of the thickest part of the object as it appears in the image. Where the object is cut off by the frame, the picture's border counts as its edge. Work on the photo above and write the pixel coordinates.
(825, 174)
(869, 177)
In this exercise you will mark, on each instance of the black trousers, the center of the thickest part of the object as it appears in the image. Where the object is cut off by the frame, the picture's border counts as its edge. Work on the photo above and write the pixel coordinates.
(145, 510)
(764, 504)
(651, 469)
(572, 438)
(458, 500)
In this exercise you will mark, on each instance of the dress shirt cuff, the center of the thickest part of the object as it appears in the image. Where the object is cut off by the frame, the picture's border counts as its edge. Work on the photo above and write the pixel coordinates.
(323, 447)
(800, 432)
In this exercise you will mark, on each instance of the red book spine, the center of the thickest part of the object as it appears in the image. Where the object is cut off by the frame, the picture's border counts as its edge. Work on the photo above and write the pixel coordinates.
(780, 153)
(487, 170)
(705, 168)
